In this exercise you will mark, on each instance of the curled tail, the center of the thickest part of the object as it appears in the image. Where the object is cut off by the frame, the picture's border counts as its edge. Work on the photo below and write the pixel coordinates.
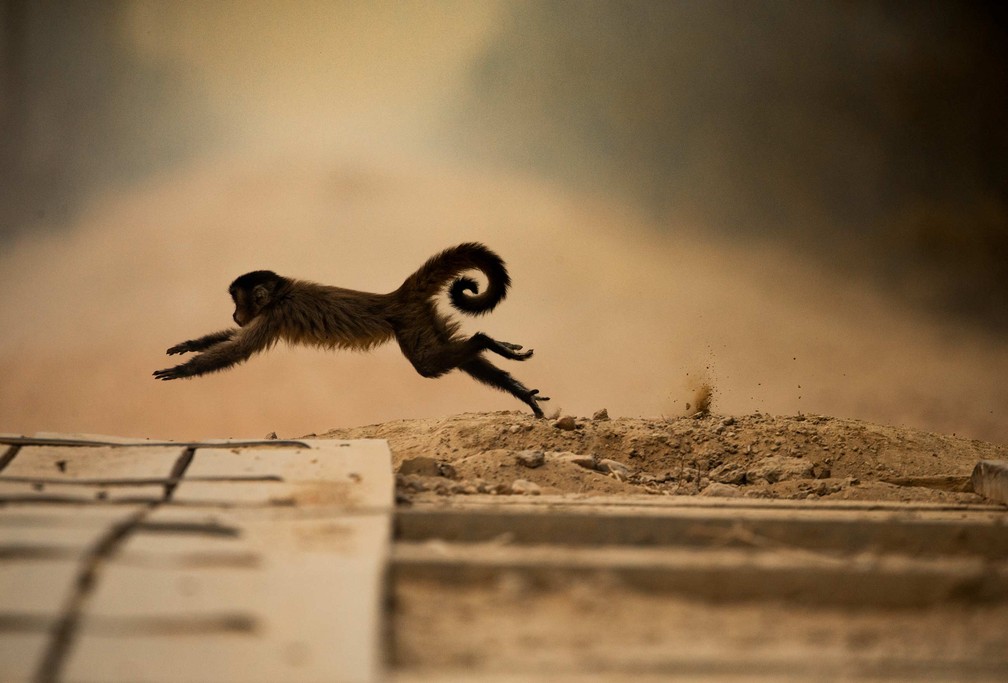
(463, 292)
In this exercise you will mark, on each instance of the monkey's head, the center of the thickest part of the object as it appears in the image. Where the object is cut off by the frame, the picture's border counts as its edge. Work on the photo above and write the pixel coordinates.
(252, 292)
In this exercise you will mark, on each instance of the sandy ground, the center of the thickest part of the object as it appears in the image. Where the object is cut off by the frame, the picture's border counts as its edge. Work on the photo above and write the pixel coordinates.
(596, 627)
(758, 455)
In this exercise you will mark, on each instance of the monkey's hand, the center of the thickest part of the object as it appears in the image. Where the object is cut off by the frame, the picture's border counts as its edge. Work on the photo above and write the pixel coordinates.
(184, 347)
(202, 343)
(176, 372)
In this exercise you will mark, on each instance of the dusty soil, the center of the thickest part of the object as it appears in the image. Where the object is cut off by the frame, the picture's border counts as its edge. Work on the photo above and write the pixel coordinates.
(595, 625)
(758, 455)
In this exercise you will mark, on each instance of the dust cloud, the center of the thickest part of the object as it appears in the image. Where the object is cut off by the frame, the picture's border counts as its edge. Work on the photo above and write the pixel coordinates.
(328, 171)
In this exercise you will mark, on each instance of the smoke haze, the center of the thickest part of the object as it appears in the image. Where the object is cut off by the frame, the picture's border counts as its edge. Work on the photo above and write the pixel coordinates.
(346, 143)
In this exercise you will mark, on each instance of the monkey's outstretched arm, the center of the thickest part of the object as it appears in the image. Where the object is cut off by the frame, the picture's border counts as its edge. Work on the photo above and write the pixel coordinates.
(235, 349)
(204, 342)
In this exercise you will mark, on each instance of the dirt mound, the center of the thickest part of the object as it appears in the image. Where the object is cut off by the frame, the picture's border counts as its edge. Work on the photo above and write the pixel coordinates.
(758, 455)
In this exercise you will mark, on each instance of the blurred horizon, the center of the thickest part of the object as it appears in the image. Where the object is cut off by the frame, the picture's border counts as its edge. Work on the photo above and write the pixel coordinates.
(804, 203)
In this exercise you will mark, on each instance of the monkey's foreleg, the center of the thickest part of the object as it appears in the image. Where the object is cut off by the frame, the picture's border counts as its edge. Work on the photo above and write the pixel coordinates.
(218, 357)
(484, 371)
(204, 342)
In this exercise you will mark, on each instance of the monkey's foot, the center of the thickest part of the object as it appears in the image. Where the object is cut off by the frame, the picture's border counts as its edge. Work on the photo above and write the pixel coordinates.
(509, 350)
(533, 399)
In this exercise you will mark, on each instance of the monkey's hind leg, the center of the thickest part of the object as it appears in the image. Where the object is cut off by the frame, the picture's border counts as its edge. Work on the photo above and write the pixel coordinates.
(511, 351)
(482, 370)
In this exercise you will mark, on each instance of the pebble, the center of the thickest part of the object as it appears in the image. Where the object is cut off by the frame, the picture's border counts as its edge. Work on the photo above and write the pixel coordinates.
(419, 465)
(426, 466)
(531, 459)
(613, 467)
(525, 487)
(566, 423)
(601, 414)
(721, 490)
(586, 461)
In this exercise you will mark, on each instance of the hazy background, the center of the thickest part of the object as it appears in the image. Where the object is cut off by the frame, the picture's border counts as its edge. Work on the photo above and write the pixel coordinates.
(804, 204)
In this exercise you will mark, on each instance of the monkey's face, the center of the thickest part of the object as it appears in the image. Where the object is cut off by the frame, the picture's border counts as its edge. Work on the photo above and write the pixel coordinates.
(249, 303)
(252, 293)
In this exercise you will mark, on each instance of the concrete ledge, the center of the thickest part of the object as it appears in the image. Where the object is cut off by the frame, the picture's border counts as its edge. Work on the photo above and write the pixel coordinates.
(990, 480)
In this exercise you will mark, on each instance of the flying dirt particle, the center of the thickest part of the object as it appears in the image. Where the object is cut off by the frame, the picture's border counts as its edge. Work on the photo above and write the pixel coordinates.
(701, 400)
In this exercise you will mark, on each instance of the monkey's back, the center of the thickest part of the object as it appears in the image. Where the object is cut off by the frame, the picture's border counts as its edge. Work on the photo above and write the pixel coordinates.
(333, 317)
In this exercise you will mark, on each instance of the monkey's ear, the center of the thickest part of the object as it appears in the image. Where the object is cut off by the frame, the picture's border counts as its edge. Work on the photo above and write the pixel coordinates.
(260, 295)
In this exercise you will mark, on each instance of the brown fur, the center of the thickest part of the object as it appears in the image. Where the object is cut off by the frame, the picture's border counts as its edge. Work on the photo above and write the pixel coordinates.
(270, 308)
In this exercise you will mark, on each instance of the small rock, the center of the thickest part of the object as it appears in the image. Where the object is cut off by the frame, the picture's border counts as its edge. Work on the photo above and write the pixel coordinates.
(531, 459)
(272, 436)
(613, 467)
(566, 423)
(601, 414)
(525, 487)
(720, 490)
(514, 429)
(411, 482)
(729, 473)
(422, 465)
(728, 422)
(586, 461)
(779, 468)
(446, 470)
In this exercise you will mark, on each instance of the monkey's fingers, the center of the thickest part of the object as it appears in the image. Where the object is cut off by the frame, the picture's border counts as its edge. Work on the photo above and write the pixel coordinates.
(532, 398)
(179, 348)
(169, 373)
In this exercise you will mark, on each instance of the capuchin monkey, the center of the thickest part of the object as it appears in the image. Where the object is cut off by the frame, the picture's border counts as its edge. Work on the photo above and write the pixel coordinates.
(270, 308)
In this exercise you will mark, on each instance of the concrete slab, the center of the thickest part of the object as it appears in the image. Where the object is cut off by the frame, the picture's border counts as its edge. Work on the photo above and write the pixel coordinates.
(306, 607)
(343, 474)
(847, 531)
(21, 650)
(53, 463)
(720, 575)
(207, 561)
